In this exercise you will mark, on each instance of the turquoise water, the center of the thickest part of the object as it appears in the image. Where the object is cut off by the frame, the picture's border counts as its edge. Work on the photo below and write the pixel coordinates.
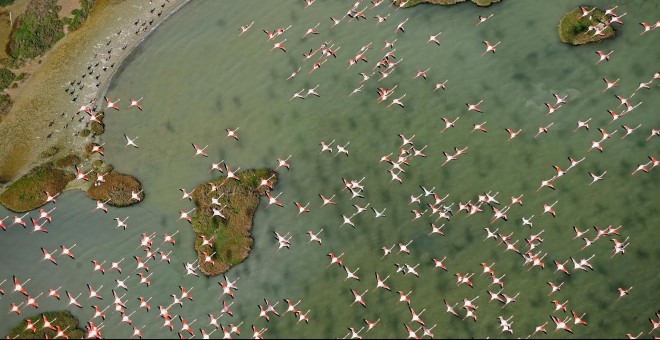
(198, 78)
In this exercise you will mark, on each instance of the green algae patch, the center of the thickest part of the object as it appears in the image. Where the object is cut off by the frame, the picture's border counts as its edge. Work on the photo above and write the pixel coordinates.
(62, 319)
(231, 240)
(116, 189)
(574, 30)
(28, 193)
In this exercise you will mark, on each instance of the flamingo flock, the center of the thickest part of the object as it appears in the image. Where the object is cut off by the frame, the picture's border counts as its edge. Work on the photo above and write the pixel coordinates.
(483, 284)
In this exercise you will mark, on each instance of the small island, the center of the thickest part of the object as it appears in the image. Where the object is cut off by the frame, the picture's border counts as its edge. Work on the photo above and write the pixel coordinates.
(410, 3)
(29, 192)
(230, 236)
(117, 190)
(62, 319)
(575, 30)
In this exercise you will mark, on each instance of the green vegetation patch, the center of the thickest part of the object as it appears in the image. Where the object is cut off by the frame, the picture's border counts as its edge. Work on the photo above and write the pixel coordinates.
(117, 188)
(575, 30)
(79, 15)
(6, 78)
(97, 128)
(50, 152)
(62, 319)
(231, 237)
(5, 104)
(4, 3)
(27, 193)
(410, 3)
(67, 161)
(37, 30)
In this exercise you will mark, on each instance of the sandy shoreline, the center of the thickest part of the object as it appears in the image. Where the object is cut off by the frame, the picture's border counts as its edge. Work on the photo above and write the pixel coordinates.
(44, 109)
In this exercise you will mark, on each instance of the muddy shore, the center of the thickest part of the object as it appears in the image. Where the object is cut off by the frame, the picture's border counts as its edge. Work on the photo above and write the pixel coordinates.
(44, 122)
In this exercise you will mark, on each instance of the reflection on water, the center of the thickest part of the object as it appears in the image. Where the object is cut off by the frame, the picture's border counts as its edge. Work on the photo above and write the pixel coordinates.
(198, 79)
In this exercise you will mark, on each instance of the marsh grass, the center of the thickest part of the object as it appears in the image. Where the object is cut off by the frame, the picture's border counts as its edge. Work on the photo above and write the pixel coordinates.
(5, 104)
(37, 30)
(6, 78)
(98, 166)
(79, 15)
(84, 132)
(63, 319)
(50, 152)
(232, 242)
(117, 188)
(98, 128)
(88, 149)
(67, 162)
(573, 29)
(27, 193)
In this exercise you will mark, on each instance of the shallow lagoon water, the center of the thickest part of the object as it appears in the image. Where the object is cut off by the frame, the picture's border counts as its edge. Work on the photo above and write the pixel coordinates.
(198, 78)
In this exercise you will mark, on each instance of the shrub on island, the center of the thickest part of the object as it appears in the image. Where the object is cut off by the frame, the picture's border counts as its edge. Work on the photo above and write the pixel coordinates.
(97, 128)
(67, 161)
(573, 29)
(62, 319)
(27, 193)
(84, 133)
(231, 236)
(117, 189)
